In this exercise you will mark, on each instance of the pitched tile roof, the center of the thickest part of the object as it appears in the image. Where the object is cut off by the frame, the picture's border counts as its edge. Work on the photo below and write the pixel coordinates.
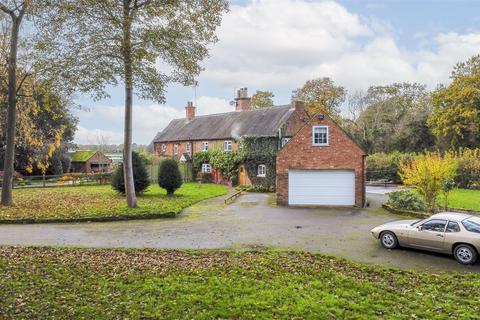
(260, 122)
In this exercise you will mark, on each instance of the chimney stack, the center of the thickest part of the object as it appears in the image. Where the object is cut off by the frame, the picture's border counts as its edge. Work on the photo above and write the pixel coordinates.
(190, 111)
(297, 105)
(242, 101)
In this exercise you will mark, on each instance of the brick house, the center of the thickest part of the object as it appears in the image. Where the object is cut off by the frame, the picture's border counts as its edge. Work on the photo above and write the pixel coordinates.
(321, 165)
(182, 138)
(89, 161)
(316, 162)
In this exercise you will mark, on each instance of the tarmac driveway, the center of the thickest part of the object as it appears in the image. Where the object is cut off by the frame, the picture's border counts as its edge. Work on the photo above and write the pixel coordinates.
(252, 221)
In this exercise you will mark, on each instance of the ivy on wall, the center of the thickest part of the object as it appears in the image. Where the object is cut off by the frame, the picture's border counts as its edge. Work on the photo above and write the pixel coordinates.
(255, 151)
(198, 159)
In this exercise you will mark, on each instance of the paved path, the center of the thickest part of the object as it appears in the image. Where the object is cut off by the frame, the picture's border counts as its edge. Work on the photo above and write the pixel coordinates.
(250, 222)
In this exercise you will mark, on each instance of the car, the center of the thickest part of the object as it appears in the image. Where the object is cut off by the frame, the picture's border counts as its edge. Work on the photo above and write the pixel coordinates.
(453, 233)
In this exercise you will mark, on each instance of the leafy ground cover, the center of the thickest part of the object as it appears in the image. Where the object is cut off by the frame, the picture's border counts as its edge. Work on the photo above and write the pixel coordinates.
(63, 283)
(101, 202)
(464, 199)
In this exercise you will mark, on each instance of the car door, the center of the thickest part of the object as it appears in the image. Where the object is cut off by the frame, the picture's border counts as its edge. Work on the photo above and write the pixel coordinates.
(429, 235)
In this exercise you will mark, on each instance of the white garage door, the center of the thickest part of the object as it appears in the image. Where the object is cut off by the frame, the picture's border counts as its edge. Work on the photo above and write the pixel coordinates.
(321, 187)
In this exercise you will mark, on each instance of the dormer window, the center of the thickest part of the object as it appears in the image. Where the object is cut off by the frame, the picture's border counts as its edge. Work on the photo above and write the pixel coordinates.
(205, 146)
(320, 136)
(227, 145)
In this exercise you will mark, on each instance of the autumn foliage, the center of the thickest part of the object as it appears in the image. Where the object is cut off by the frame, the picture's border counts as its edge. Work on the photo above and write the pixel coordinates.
(428, 173)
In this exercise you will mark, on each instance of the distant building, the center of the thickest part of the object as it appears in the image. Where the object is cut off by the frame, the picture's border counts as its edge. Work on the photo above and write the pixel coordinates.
(89, 161)
(116, 158)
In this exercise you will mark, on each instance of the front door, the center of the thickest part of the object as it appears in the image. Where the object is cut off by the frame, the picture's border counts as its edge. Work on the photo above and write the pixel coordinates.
(241, 175)
(430, 235)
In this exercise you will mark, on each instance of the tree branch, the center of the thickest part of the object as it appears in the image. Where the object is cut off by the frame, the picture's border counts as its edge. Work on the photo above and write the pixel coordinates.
(6, 10)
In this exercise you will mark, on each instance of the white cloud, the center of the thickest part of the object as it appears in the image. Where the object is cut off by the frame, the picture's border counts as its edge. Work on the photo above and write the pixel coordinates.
(279, 44)
(147, 120)
(282, 43)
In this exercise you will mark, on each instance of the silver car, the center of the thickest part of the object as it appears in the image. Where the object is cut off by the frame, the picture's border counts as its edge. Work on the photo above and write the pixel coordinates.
(448, 232)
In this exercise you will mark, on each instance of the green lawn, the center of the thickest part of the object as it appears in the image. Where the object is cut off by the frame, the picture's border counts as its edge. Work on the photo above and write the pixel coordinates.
(464, 199)
(101, 202)
(41, 283)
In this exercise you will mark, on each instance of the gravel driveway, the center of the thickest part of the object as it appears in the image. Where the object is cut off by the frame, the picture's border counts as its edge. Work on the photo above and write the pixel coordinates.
(252, 221)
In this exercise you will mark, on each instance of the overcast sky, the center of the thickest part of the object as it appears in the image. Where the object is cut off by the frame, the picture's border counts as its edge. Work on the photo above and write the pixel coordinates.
(277, 45)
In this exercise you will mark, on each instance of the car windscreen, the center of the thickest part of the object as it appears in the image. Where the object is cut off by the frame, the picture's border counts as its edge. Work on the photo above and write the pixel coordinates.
(472, 224)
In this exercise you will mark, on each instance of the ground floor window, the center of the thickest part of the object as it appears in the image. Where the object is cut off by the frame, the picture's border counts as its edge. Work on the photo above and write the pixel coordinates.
(206, 168)
(262, 170)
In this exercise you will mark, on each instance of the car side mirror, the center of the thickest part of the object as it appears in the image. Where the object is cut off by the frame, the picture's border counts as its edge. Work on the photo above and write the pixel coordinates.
(419, 228)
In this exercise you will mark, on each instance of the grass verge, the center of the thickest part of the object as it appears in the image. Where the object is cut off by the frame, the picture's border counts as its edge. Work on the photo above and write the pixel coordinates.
(100, 203)
(464, 199)
(52, 283)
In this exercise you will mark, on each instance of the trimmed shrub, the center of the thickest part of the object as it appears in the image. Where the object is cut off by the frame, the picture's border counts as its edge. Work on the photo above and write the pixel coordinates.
(406, 200)
(169, 176)
(140, 176)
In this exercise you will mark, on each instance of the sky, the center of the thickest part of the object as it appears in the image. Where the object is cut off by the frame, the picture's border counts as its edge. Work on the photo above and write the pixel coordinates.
(277, 45)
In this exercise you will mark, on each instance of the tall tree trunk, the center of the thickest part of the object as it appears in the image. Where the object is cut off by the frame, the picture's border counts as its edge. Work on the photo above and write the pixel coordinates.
(127, 144)
(9, 158)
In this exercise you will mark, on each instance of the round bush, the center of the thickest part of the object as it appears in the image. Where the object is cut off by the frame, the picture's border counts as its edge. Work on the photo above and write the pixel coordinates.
(140, 176)
(169, 176)
(406, 200)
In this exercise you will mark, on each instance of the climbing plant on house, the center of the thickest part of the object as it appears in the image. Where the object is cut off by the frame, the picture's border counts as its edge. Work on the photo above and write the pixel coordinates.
(254, 151)
(226, 162)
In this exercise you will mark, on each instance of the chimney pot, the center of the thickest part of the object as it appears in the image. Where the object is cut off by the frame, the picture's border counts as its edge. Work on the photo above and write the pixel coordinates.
(242, 101)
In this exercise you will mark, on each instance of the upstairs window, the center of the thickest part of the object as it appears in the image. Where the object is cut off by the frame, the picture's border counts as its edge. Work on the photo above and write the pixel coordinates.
(205, 146)
(262, 170)
(164, 147)
(227, 145)
(188, 147)
(175, 148)
(320, 136)
(206, 168)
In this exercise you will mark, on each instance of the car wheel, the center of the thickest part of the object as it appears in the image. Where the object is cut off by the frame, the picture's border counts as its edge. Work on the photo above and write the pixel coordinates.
(465, 254)
(388, 240)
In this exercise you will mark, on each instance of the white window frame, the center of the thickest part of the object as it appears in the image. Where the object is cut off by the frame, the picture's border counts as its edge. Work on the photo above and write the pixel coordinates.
(227, 145)
(313, 136)
(284, 141)
(205, 146)
(206, 168)
(164, 147)
(188, 147)
(175, 148)
(261, 170)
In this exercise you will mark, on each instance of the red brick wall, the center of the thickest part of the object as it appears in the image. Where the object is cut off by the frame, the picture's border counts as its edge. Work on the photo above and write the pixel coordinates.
(342, 153)
(196, 146)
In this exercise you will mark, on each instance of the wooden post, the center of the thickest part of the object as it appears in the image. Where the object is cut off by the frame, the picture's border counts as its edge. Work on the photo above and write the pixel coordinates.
(43, 180)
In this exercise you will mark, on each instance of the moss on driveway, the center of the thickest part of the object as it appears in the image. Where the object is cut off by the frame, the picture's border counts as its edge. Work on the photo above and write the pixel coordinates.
(100, 203)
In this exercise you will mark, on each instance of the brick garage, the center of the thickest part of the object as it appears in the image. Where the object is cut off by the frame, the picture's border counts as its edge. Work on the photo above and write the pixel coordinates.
(341, 155)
